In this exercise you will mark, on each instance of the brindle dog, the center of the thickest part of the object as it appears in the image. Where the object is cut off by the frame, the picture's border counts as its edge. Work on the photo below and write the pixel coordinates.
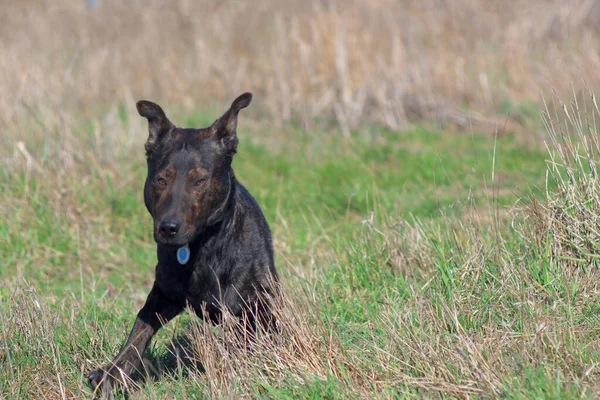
(213, 242)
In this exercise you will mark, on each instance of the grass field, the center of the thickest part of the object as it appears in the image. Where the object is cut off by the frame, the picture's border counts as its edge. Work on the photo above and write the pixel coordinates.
(435, 224)
(407, 269)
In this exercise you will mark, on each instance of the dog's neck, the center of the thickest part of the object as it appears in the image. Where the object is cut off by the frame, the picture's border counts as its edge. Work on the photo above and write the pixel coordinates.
(221, 213)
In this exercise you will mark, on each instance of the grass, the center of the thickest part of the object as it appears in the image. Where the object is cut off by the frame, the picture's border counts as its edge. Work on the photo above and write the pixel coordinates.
(306, 60)
(404, 270)
(429, 244)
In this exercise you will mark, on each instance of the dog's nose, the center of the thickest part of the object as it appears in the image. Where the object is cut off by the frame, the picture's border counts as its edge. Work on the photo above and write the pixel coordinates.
(169, 227)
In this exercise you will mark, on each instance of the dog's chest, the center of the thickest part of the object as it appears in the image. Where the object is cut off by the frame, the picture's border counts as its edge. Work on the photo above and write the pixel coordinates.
(194, 283)
(205, 285)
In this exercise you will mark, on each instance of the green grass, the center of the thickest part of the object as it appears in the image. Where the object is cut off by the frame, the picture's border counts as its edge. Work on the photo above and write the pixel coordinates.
(322, 192)
(376, 240)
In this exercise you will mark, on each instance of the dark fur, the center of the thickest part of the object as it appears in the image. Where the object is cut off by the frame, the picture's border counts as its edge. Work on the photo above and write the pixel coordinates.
(194, 198)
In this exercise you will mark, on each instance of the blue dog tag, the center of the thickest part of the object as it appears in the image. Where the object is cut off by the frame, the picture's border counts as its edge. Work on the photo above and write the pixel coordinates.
(183, 255)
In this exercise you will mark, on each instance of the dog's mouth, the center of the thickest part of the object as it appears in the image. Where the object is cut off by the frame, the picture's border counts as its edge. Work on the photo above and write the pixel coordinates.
(173, 243)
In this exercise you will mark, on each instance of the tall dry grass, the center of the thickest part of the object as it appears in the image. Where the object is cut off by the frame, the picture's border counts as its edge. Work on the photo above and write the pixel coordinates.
(350, 61)
(391, 62)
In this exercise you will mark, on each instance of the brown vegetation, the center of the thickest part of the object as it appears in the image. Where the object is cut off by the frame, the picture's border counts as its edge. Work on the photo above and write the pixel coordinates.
(470, 306)
(352, 62)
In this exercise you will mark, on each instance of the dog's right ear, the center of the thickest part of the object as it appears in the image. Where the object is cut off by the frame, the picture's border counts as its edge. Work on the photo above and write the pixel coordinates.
(225, 127)
(158, 123)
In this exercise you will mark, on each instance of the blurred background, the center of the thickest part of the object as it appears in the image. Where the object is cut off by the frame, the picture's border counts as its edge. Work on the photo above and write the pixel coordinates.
(456, 63)
(434, 204)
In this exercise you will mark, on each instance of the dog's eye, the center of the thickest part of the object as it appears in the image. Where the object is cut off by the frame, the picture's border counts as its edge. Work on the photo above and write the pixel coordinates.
(161, 182)
(199, 182)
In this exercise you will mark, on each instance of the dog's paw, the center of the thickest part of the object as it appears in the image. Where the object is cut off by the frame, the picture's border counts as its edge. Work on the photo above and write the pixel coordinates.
(100, 381)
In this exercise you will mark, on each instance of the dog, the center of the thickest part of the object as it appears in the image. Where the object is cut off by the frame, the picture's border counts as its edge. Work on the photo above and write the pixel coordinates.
(214, 245)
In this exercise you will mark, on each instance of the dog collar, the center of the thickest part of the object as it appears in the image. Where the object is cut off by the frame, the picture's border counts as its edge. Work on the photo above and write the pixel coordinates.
(183, 255)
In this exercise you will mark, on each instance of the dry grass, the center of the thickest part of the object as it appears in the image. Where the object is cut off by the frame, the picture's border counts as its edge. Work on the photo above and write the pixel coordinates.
(352, 62)
(570, 217)
(470, 306)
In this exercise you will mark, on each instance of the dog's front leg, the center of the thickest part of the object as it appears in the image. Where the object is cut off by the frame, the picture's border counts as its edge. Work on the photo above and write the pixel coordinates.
(157, 311)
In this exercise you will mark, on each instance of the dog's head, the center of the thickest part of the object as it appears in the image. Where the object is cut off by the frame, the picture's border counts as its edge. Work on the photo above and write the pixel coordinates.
(189, 172)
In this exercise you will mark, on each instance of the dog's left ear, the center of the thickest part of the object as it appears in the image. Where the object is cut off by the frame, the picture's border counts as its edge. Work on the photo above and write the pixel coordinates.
(224, 128)
(158, 123)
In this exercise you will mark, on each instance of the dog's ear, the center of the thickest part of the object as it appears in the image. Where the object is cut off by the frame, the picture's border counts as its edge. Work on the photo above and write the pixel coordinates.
(224, 128)
(158, 123)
